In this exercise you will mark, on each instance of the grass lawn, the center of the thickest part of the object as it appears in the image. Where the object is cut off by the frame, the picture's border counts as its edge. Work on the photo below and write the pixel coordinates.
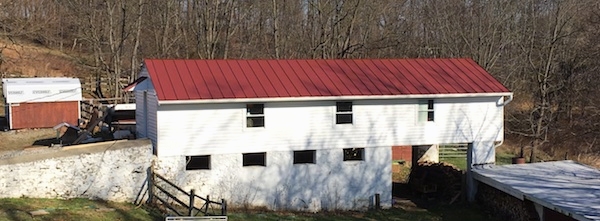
(83, 209)
(447, 213)
(73, 209)
(502, 158)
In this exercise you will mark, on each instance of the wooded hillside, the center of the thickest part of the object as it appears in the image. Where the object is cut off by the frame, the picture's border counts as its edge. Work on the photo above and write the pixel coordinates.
(546, 51)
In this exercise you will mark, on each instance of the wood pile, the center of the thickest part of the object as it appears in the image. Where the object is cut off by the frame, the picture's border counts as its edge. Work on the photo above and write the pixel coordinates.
(440, 180)
(505, 206)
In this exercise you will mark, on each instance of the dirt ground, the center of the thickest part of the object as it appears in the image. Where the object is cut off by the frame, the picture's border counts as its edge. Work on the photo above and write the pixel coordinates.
(21, 139)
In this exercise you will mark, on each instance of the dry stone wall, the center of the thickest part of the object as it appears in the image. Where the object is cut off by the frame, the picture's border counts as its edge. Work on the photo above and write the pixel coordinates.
(114, 171)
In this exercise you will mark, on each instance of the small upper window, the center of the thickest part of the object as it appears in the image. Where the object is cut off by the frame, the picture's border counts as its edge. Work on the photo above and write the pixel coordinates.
(254, 159)
(255, 115)
(426, 110)
(197, 162)
(305, 156)
(343, 112)
(354, 154)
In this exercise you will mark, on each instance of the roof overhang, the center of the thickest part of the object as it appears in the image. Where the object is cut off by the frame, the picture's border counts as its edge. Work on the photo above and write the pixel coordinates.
(558, 185)
(335, 98)
(131, 86)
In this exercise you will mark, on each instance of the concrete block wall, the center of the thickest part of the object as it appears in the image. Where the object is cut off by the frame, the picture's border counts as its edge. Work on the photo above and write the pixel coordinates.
(114, 171)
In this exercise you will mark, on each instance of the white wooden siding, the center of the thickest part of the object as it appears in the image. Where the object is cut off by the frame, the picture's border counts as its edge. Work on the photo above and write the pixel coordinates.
(195, 129)
(146, 109)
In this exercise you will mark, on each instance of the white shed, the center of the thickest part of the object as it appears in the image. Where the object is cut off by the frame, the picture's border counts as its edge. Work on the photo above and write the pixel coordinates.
(41, 102)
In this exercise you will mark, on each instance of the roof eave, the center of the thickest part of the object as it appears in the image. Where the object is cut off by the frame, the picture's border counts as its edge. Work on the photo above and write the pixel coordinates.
(334, 98)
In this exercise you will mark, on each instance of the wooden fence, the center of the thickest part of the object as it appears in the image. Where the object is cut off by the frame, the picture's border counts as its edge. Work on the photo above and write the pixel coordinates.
(451, 151)
(162, 192)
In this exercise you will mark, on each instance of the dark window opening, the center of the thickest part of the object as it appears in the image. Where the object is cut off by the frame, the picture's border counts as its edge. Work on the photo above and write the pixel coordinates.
(254, 159)
(304, 156)
(197, 162)
(255, 109)
(343, 112)
(354, 154)
(256, 122)
(255, 115)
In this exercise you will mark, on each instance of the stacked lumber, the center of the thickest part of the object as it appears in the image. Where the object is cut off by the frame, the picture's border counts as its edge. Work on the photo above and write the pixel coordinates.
(441, 180)
(504, 206)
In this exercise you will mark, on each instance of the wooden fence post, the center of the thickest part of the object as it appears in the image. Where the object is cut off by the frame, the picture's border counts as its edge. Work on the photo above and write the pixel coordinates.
(207, 204)
(223, 207)
(191, 206)
(377, 201)
(150, 186)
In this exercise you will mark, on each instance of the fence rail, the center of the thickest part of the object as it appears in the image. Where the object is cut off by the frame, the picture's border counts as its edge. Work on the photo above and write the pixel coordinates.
(448, 151)
(164, 191)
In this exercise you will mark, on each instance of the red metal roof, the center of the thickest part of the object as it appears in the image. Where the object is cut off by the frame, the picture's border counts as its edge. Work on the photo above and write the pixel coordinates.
(230, 79)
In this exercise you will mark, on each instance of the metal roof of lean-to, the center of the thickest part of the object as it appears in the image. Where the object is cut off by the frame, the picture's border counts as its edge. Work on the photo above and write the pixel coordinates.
(205, 80)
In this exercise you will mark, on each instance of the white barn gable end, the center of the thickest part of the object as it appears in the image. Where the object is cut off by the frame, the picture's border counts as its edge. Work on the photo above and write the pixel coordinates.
(197, 112)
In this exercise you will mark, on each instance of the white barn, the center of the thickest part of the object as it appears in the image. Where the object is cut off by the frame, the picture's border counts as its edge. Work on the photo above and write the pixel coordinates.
(41, 102)
(310, 134)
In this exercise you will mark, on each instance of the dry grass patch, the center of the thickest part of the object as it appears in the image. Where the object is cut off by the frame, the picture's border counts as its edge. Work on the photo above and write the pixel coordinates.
(20, 139)
(29, 60)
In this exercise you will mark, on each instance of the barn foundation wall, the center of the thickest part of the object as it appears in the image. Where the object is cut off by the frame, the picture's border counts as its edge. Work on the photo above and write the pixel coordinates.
(328, 184)
(114, 171)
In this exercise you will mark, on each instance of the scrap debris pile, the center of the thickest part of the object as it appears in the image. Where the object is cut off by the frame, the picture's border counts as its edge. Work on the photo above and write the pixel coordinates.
(98, 128)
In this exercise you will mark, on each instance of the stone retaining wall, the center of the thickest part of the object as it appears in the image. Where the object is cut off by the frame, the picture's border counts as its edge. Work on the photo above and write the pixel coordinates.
(114, 171)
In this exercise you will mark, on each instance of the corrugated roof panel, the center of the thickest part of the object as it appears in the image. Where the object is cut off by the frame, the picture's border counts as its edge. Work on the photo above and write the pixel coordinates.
(358, 87)
(174, 83)
(295, 81)
(254, 83)
(179, 87)
(264, 77)
(233, 82)
(414, 80)
(246, 89)
(473, 75)
(379, 78)
(318, 77)
(187, 79)
(456, 74)
(338, 78)
(213, 81)
(217, 79)
(492, 83)
(439, 76)
(166, 89)
(199, 82)
(385, 77)
(310, 84)
(221, 80)
(369, 79)
(284, 79)
(430, 84)
(274, 78)
(397, 79)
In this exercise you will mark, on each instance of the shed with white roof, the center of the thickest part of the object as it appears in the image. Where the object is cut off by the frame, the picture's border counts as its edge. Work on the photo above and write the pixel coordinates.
(41, 102)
